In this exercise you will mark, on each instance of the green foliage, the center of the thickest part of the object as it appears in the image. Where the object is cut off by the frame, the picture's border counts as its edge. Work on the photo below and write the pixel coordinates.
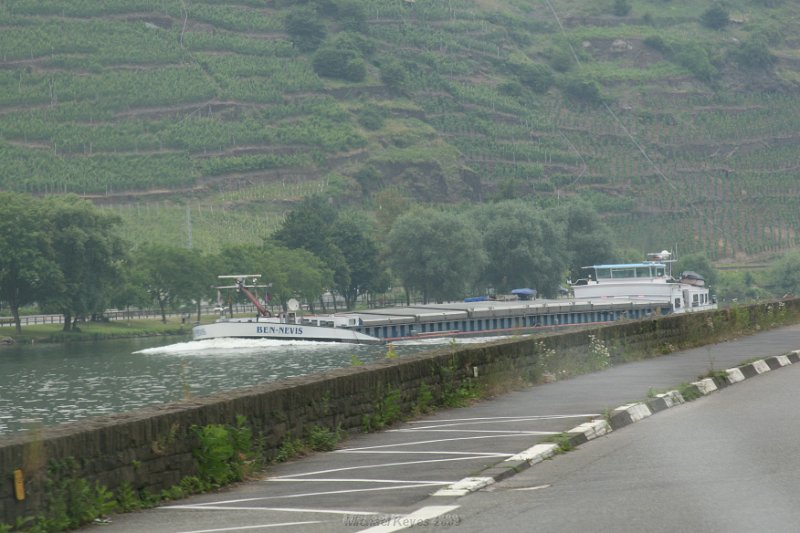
(524, 248)
(305, 28)
(120, 101)
(621, 8)
(695, 58)
(341, 63)
(535, 76)
(352, 15)
(784, 275)
(322, 439)
(753, 53)
(582, 89)
(289, 449)
(425, 400)
(598, 356)
(427, 252)
(72, 501)
(697, 262)
(127, 499)
(393, 74)
(715, 17)
(386, 411)
(226, 453)
(689, 392)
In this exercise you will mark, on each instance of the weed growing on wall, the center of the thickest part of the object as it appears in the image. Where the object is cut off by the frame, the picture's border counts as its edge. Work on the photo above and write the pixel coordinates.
(599, 354)
(424, 402)
(391, 353)
(289, 449)
(71, 500)
(387, 410)
(227, 453)
(545, 357)
(322, 439)
(128, 499)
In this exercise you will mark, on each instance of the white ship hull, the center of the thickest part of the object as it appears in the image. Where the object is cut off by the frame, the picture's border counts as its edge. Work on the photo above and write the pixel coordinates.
(266, 329)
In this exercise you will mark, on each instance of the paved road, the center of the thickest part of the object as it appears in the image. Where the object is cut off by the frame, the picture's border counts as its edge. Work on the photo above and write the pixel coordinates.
(729, 462)
(396, 472)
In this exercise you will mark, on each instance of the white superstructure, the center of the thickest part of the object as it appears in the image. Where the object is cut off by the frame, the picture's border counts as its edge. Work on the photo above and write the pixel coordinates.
(646, 281)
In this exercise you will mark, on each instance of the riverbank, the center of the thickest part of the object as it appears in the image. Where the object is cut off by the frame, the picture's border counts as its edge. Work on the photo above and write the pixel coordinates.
(94, 331)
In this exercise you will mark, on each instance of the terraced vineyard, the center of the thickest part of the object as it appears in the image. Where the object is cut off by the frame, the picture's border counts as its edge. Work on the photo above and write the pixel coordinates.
(203, 122)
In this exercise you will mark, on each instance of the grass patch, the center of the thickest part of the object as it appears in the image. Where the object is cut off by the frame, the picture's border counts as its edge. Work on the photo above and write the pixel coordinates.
(90, 331)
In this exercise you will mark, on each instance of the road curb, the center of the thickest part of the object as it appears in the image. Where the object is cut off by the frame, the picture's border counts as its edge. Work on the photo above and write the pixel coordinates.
(618, 418)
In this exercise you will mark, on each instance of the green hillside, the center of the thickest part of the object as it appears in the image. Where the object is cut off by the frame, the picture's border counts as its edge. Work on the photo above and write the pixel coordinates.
(204, 121)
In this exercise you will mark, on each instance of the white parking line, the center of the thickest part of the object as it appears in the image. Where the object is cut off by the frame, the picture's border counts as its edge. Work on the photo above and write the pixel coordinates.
(362, 467)
(418, 442)
(421, 516)
(497, 420)
(413, 452)
(216, 507)
(241, 528)
(507, 431)
(512, 418)
(412, 485)
(359, 480)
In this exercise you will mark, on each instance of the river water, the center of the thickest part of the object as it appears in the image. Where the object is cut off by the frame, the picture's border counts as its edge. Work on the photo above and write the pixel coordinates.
(54, 383)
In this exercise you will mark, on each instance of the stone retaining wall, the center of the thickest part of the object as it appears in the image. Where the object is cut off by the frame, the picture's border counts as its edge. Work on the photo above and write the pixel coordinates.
(151, 448)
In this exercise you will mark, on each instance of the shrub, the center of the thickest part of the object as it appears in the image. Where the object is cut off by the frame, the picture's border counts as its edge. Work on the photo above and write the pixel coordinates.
(305, 28)
(343, 64)
(621, 8)
(715, 17)
(583, 89)
(537, 77)
(393, 74)
(753, 53)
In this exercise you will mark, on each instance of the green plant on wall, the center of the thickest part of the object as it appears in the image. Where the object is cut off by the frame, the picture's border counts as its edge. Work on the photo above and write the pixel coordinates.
(387, 410)
(227, 453)
(599, 356)
(71, 500)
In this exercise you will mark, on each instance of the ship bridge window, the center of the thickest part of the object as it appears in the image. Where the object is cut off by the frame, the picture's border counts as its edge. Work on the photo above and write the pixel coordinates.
(603, 273)
(623, 272)
(643, 272)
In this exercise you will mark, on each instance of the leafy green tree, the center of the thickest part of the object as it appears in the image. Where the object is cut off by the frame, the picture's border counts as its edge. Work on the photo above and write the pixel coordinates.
(388, 205)
(695, 58)
(309, 226)
(89, 254)
(436, 252)
(753, 53)
(393, 74)
(131, 288)
(784, 275)
(340, 63)
(739, 287)
(697, 262)
(28, 271)
(361, 253)
(173, 276)
(588, 241)
(715, 17)
(289, 272)
(583, 89)
(305, 28)
(352, 16)
(525, 247)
